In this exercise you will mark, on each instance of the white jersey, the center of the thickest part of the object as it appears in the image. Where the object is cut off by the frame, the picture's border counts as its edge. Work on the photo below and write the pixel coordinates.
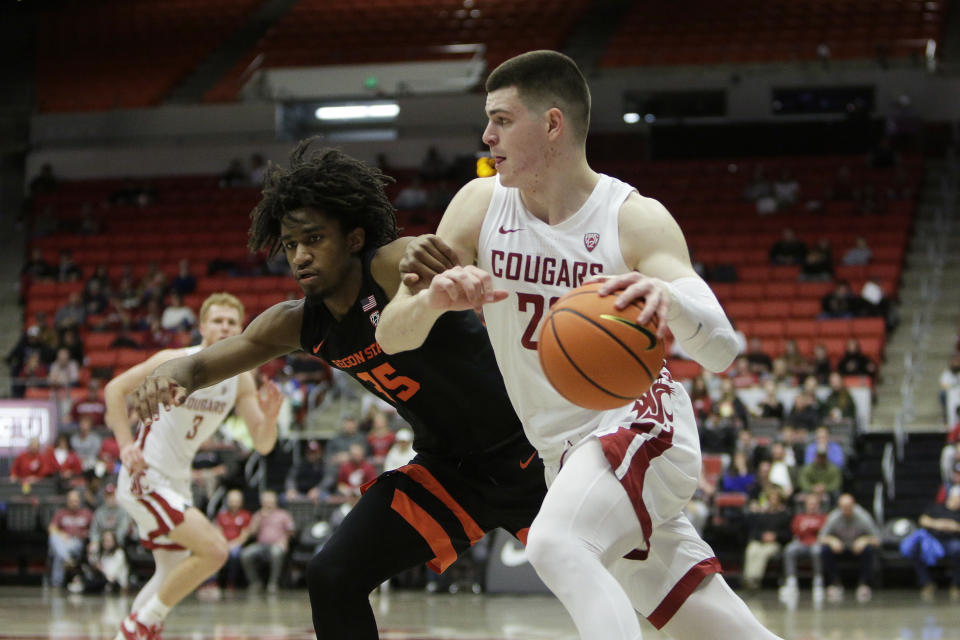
(170, 443)
(538, 263)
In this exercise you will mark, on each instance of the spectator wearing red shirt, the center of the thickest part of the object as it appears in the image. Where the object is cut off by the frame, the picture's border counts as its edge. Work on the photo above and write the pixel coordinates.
(91, 405)
(62, 459)
(380, 438)
(273, 527)
(108, 457)
(234, 523)
(355, 472)
(806, 527)
(30, 465)
(69, 529)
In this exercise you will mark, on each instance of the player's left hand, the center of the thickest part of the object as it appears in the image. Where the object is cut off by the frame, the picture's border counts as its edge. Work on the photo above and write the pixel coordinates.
(270, 399)
(635, 286)
(425, 257)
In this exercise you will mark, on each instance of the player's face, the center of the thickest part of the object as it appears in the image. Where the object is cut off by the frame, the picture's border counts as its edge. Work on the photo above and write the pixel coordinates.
(221, 321)
(516, 136)
(319, 254)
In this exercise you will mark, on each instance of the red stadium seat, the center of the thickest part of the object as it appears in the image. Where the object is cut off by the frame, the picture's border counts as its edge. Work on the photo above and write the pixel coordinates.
(801, 328)
(805, 308)
(868, 328)
(774, 309)
(767, 329)
(683, 369)
(104, 358)
(834, 328)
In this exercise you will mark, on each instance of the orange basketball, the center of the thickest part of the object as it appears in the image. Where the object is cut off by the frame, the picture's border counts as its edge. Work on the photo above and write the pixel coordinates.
(597, 356)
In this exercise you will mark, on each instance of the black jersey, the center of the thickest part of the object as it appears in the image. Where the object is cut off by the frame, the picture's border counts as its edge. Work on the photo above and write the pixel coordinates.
(449, 389)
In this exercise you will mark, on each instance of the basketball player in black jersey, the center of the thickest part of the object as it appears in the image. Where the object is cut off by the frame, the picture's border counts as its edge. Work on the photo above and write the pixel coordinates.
(474, 470)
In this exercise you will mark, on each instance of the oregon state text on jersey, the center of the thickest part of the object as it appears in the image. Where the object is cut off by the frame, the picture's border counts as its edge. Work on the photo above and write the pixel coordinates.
(448, 389)
(170, 443)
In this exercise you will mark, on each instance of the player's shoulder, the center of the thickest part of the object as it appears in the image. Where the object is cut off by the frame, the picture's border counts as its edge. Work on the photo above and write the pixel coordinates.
(638, 212)
(476, 194)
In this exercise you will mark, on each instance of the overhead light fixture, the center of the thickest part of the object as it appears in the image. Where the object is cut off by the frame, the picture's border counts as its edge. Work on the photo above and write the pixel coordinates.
(360, 111)
(631, 117)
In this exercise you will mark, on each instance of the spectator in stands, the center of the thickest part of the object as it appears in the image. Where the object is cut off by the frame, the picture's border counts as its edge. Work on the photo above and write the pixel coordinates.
(760, 191)
(839, 303)
(184, 283)
(730, 406)
(86, 443)
(48, 335)
(30, 465)
(107, 567)
(941, 522)
(795, 442)
(64, 372)
(235, 175)
(67, 270)
(952, 480)
(738, 476)
(95, 299)
(788, 249)
(258, 169)
(69, 529)
(233, 521)
(434, 166)
(855, 363)
(759, 361)
(950, 454)
(91, 404)
(70, 341)
(44, 182)
(805, 413)
(821, 366)
(839, 404)
(36, 268)
(797, 365)
(949, 380)
(101, 278)
(740, 375)
(308, 477)
(153, 288)
(126, 295)
(380, 438)
(412, 196)
(401, 452)
(858, 254)
(272, 527)
(30, 342)
(700, 397)
(109, 457)
(782, 464)
(59, 458)
(177, 316)
(33, 374)
(820, 477)
(355, 472)
(768, 530)
(818, 264)
(72, 314)
(207, 470)
(338, 447)
(843, 187)
(806, 528)
(849, 531)
(786, 189)
(109, 516)
(822, 441)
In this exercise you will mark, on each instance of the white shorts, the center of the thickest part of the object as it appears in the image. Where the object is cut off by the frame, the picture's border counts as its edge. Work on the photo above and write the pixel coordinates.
(157, 503)
(653, 449)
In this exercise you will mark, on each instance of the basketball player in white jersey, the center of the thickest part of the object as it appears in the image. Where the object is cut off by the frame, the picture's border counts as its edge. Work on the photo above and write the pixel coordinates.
(610, 536)
(154, 484)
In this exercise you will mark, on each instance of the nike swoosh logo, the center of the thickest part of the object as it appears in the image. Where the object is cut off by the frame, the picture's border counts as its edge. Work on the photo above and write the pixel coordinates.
(502, 230)
(317, 348)
(524, 465)
(633, 325)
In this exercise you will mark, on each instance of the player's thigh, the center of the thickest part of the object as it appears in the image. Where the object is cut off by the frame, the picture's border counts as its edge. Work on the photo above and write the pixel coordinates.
(198, 535)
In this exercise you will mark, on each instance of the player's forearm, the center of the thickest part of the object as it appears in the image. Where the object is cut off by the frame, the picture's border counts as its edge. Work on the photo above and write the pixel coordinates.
(184, 371)
(264, 435)
(699, 324)
(406, 322)
(116, 416)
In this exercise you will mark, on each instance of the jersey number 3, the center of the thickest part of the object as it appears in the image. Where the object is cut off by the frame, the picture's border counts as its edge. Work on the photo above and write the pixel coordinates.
(403, 387)
(526, 300)
(197, 421)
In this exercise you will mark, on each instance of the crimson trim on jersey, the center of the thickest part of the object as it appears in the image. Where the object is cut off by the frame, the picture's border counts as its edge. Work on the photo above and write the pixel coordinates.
(143, 435)
(428, 528)
(175, 516)
(682, 590)
(162, 527)
(171, 546)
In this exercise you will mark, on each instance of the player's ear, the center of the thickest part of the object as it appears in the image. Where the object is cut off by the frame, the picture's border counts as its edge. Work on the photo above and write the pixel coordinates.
(554, 122)
(355, 239)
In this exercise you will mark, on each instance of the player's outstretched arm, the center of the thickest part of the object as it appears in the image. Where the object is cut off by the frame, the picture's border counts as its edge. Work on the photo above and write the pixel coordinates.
(653, 245)
(273, 333)
(259, 410)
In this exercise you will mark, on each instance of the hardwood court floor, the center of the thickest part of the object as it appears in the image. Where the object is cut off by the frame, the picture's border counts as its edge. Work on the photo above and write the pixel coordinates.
(34, 614)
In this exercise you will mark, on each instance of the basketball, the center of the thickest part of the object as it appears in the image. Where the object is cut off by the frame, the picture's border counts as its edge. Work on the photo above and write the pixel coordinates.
(597, 356)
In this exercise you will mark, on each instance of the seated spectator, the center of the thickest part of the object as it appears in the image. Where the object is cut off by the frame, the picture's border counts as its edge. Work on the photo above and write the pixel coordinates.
(949, 456)
(272, 527)
(32, 374)
(153, 288)
(855, 363)
(355, 472)
(412, 196)
(738, 476)
(858, 254)
(49, 336)
(36, 268)
(235, 175)
(433, 166)
(839, 404)
(805, 413)
(86, 443)
(233, 521)
(67, 270)
(401, 452)
(91, 405)
(108, 458)
(107, 568)
(184, 282)
(307, 478)
(72, 314)
(782, 464)
(818, 265)
(64, 372)
(338, 447)
(806, 528)
(69, 529)
(839, 303)
(768, 529)
(126, 295)
(789, 249)
(770, 406)
(100, 278)
(821, 366)
(109, 517)
(820, 477)
(70, 340)
(258, 169)
(30, 341)
(786, 189)
(821, 440)
(177, 315)
(849, 531)
(730, 406)
(951, 481)
(380, 438)
(797, 364)
(700, 398)
(95, 298)
(207, 470)
(740, 375)
(62, 460)
(30, 465)
(45, 181)
(874, 303)
(759, 187)
(941, 523)
(759, 361)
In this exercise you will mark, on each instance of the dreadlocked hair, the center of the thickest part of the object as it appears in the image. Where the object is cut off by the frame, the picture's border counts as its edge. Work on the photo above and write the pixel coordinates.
(331, 182)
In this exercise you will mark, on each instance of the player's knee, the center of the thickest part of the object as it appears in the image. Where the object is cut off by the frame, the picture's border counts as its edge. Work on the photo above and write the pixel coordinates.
(326, 574)
(217, 552)
(546, 548)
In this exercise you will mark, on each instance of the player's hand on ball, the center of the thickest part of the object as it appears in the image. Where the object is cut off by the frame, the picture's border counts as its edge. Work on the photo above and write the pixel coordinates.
(154, 392)
(132, 458)
(635, 286)
(425, 257)
(462, 288)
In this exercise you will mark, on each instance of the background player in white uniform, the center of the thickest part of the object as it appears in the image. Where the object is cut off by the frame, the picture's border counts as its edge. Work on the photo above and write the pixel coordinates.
(545, 224)
(154, 484)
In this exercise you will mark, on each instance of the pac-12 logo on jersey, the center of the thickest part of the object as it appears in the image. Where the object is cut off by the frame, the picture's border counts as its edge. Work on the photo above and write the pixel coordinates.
(591, 240)
(375, 317)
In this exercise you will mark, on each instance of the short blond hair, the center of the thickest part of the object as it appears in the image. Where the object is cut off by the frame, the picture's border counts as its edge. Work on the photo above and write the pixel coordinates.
(223, 299)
